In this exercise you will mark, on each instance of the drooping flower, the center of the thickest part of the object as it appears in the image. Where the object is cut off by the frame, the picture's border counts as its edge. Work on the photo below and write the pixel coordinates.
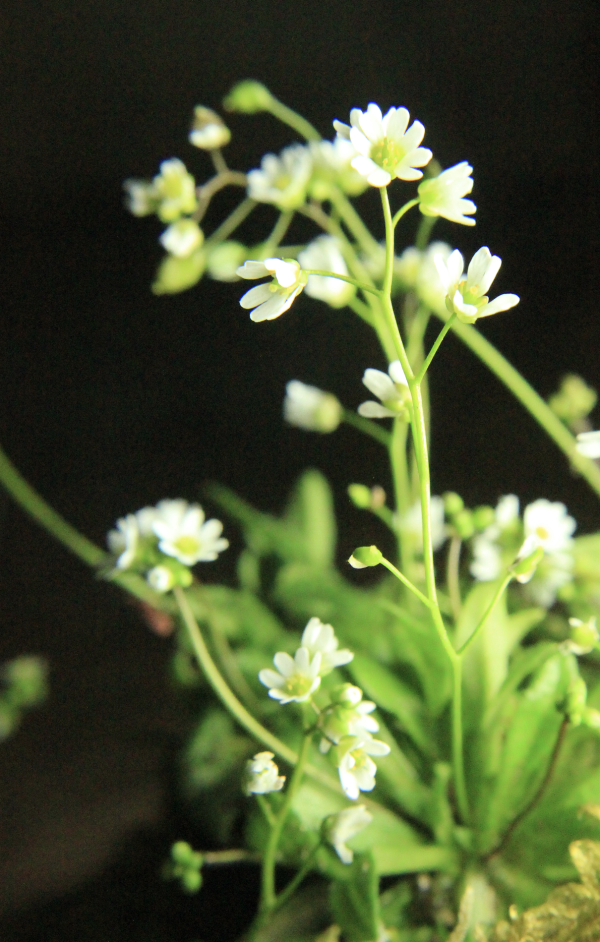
(355, 766)
(390, 388)
(271, 299)
(182, 238)
(184, 533)
(323, 253)
(296, 677)
(386, 147)
(320, 638)
(588, 444)
(310, 408)
(282, 180)
(343, 826)
(262, 775)
(209, 131)
(444, 195)
(466, 297)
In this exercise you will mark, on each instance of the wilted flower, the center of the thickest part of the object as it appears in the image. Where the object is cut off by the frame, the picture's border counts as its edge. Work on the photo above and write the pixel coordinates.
(209, 131)
(391, 388)
(443, 195)
(297, 679)
(282, 180)
(466, 297)
(272, 299)
(262, 775)
(356, 769)
(588, 444)
(320, 638)
(386, 149)
(182, 238)
(184, 533)
(341, 827)
(310, 408)
(323, 253)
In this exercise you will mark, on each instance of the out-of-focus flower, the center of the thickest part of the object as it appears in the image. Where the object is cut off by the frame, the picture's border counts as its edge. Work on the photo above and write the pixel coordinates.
(355, 765)
(310, 408)
(182, 238)
(223, 260)
(184, 533)
(282, 180)
(332, 162)
(412, 523)
(320, 638)
(296, 677)
(444, 195)
(125, 541)
(390, 388)
(588, 444)
(574, 401)
(323, 253)
(174, 191)
(549, 525)
(466, 297)
(272, 299)
(262, 775)
(584, 635)
(161, 578)
(343, 826)
(209, 131)
(417, 270)
(348, 715)
(386, 147)
(140, 198)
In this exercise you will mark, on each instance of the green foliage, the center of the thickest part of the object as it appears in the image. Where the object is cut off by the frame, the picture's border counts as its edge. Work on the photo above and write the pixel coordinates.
(355, 901)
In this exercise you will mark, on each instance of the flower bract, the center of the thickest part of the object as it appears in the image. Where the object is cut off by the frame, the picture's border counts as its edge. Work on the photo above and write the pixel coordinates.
(271, 299)
(262, 775)
(386, 147)
(466, 297)
(444, 195)
(295, 679)
(390, 388)
(310, 408)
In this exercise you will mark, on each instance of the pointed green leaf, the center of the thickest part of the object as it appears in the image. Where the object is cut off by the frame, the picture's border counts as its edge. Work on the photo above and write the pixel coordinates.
(355, 901)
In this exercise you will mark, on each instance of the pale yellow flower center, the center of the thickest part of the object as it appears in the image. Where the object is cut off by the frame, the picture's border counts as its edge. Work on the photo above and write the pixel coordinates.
(387, 154)
(187, 545)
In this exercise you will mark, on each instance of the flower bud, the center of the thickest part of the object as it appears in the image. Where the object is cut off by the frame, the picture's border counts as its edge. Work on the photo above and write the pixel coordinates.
(463, 524)
(526, 562)
(574, 400)
(224, 260)
(360, 495)
(365, 556)
(483, 517)
(453, 503)
(182, 238)
(584, 635)
(178, 274)
(248, 97)
(208, 129)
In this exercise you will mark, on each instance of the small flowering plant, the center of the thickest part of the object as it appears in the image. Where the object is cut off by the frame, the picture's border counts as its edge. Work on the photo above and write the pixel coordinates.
(456, 691)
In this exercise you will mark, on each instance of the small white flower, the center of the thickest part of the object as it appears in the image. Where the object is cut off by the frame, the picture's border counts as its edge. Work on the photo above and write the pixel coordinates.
(160, 578)
(271, 299)
(282, 180)
(140, 197)
(443, 195)
(209, 131)
(262, 775)
(349, 715)
(321, 638)
(466, 297)
(182, 238)
(588, 444)
(341, 827)
(174, 190)
(125, 540)
(323, 253)
(297, 679)
(333, 164)
(310, 408)
(390, 388)
(417, 270)
(356, 769)
(412, 523)
(184, 533)
(549, 525)
(487, 555)
(386, 149)
(554, 571)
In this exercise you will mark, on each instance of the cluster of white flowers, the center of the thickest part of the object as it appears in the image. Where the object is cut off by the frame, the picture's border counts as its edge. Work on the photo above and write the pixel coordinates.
(171, 194)
(392, 391)
(466, 297)
(271, 299)
(165, 540)
(546, 525)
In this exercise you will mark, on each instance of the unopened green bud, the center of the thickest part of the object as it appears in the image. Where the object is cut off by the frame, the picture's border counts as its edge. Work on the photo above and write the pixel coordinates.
(248, 97)
(483, 517)
(208, 129)
(360, 495)
(463, 524)
(453, 503)
(346, 694)
(574, 400)
(525, 565)
(365, 556)
(27, 680)
(178, 274)
(224, 260)
(584, 635)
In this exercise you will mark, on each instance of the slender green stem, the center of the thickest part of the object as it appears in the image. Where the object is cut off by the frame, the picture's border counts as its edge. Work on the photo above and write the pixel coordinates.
(416, 334)
(497, 596)
(278, 232)
(362, 309)
(293, 120)
(452, 579)
(350, 281)
(424, 231)
(399, 465)
(219, 162)
(367, 427)
(458, 763)
(224, 177)
(231, 223)
(295, 882)
(403, 209)
(265, 807)
(268, 897)
(421, 374)
(218, 858)
(407, 583)
(353, 221)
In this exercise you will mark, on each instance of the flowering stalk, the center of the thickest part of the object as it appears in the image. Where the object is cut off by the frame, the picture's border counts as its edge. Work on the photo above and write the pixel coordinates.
(497, 596)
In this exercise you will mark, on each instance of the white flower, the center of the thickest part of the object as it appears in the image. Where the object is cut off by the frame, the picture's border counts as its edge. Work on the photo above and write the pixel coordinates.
(320, 638)
(125, 540)
(182, 238)
(549, 525)
(333, 164)
(588, 444)
(262, 775)
(184, 533)
(386, 149)
(412, 523)
(348, 715)
(487, 559)
(272, 299)
(443, 195)
(323, 253)
(160, 578)
(174, 190)
(297, 679)
(391, 388)
(310, 408)
(553, 572)
(466, 297)
(282, 180)
(341, 827)
(140, 198)
(208, 129)
(417, 270)
(356, 769)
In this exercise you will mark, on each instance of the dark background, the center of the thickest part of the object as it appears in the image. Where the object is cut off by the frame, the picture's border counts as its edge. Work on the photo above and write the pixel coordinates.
(112, 398)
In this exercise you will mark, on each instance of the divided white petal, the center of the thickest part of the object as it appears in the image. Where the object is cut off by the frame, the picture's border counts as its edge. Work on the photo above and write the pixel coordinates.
(502, 303)
(271, 309)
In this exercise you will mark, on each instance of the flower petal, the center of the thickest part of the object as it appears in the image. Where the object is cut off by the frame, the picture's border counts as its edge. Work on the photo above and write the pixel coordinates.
(502, 303)
(374, 410)
(379, 384)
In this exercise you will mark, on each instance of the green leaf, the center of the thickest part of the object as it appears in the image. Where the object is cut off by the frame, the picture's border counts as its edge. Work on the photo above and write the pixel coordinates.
(355, 901)
(310, 513)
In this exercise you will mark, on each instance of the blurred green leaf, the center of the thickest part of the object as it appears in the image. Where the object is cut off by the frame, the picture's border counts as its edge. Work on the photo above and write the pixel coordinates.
(355, 901)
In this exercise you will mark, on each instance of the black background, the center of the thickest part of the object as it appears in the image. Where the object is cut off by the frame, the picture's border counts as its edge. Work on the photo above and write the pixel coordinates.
(112, 398)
